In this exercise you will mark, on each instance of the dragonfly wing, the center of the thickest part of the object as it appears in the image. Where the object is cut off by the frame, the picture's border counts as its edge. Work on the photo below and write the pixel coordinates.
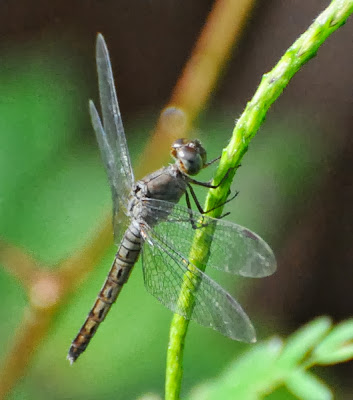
(113, 147)
(111, 137)
(112, 121)
(233, 248)
(174, 281)
(120, 219)
(107, 153)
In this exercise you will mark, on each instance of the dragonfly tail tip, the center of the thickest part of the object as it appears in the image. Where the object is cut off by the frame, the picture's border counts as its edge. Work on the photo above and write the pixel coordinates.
(71, 358)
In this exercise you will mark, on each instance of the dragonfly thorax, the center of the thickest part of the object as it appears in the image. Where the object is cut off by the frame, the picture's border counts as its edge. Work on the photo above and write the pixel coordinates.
(190, 156)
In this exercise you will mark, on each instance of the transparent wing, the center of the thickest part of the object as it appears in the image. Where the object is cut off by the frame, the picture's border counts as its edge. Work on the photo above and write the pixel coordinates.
(233, 249)
(111, 136)
(166, 271)
(120, 219)
(107, 153)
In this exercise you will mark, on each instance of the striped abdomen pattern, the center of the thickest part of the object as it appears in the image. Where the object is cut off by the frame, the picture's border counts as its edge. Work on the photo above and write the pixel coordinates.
(127, 255)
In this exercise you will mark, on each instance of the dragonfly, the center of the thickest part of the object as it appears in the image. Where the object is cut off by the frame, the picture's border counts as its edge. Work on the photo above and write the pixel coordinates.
(147, 221)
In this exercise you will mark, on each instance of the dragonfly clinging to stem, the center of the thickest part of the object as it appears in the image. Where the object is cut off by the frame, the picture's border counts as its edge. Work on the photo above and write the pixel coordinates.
(148, 221)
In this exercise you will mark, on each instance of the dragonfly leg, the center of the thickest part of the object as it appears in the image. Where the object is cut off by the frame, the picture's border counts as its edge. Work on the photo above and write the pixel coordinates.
(188, 203)
(222, 204)
(191, 220)
(211, 162)
(199, 207)
(209, 183)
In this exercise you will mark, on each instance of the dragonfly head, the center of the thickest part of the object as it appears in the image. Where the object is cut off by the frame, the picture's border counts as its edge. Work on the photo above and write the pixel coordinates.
(190, 156)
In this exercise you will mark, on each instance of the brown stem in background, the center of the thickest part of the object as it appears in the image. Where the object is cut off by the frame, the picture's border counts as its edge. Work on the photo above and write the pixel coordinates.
(32, 329)
(19, 264)
(48, 291)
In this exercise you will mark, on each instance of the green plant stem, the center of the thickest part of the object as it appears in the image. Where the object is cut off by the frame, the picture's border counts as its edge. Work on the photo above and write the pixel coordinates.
(271, 86)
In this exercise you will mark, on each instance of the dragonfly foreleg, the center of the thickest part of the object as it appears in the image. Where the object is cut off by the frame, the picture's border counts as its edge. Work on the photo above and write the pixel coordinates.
(188, 203)
(209, 183)
(211, 162)
(198, 205)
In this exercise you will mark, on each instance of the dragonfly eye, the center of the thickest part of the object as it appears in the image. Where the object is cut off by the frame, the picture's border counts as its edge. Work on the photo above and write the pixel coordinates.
(190, 161)
(180, 142)
(190, 155)
(196, 144)
(177, 145)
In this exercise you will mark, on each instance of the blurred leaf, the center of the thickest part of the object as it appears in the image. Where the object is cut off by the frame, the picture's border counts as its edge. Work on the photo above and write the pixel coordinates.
(337, 346)
(245, 377)
(302, 341)
(273, 364)
(257, 362)
(307, 387)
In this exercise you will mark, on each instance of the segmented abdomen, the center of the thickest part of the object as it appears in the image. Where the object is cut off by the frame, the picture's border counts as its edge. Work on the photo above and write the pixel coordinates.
(126, 257)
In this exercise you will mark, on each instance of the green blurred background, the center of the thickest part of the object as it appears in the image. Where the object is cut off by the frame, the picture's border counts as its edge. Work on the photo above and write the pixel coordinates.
(295, 181)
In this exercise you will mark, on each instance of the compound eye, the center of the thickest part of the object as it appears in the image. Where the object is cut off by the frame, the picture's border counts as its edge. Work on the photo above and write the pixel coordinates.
(190, 159)
(179, 143)
(176, 146)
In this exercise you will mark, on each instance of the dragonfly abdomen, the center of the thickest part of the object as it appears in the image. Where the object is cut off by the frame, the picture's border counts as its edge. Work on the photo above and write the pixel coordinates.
(126, 257)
